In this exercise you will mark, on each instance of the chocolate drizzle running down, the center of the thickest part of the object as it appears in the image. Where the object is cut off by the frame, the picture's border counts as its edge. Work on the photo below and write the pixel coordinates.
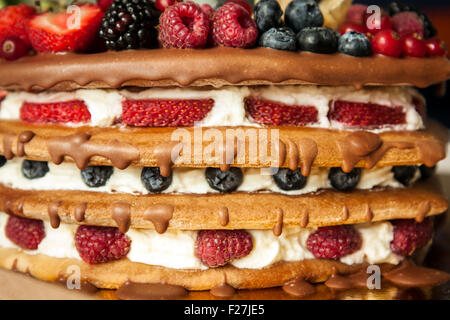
(149, 291)
(431, 152)
(224, 217)
(223, 290)
(7, 145)
(305, 219)
(369, 213)
(228, 152)
(345, 213)
(78, 147)
(308, 152)
(53, 208)
(80, 211)
(121, 214)
(22, 139)
(278, 228)
(166, 154)
(410, 275)
(424, 208)
(292, 155)
(299, 288)
(159, 215)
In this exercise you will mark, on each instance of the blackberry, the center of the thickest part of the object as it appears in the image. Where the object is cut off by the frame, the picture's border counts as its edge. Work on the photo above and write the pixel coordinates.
(96, 176)
(344, 181)
(153, 181)
(224, 182)
(34, 169)
(130, 24)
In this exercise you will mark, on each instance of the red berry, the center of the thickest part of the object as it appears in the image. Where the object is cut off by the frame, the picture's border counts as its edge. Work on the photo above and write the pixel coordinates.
(350, 26)
(387, 43)
(56, 32)
(244, 4)
(368, 115)
(233, 27)
(74, 111)
(13, 22)
(208, 10)
(161, 5)
(13, 48)
(414, 46)
(408, 22)
(275, 113)
(26, 233)
(375, 25)
(355, 14)
(164, 113)
(410, 235)
(436, 47)
(104, 4)
(216, 248)
(183, 25)
(101, 244)
(334, 242)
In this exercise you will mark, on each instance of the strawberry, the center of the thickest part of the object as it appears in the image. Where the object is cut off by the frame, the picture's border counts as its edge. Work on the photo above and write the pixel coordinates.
(24, 232)
(56, 32)
(275, 113)
(367, 115)
(164, 113)
(74, 111)
(13, 21)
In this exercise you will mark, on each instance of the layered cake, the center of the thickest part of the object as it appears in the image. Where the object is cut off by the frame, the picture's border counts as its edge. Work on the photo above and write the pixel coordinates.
(157, 148)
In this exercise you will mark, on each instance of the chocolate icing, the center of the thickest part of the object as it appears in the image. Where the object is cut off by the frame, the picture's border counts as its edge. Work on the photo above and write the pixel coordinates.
(299, 288)
(308, 152)
(160, 215)
(345, 213)
(278, 228)
(369, 213)
(292, 155)
(305, 219)
(164, 154)
(7, 145)
(149, 291)
(431, 152)
(224, 216)
(121, 215)
(223, 290)
(80, 211)
(423, 208)
(410, 275)
(53, 208)
(22, 139)
(340, 282)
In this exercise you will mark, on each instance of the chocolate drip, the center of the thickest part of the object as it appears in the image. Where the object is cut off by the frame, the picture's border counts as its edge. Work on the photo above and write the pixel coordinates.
(121, 214)
(85, 286)
(369, 213)
(305, 219)
(424, 208)
(299, 288)
(292, 155)
(281, 153)
(345, 213)
(227, 154)
(23, 139)
(224, 217)
(166, 154)
(53, 214)
(159, 215)
(410, 275)
(355, 280)
(278, 228)
(223, 290)
(431, 152)
(149, 291)
(7, 145)
(11, 206)
(308, 152)
(80, 211)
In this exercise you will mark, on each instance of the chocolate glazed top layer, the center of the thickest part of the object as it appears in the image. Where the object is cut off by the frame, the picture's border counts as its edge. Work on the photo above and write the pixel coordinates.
(216, 67)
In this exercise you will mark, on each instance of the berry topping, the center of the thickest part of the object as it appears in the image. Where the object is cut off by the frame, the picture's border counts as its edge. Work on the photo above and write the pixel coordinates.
(426, 172)
(281, 38)
(34, 169)
(396, 7)
(164, 113)
(161, 5)
(2, 161)
(436, 47)
(74, 111)
(130, 25)
(233, 27)
(387, 42)
(414, 46)
(208, 10)
(13, 22)
(334, 242)
(184, 26)
(410, 235)
(349, 26)
(153, 181)
(406, 23)
(404, 174)
(275, 113)
(26, 233)
(355, 14)
(366, 115)
(224, 182)
(287, 179)
(267, 15)
(216, 248)
(56, 32)
(344, 181)
(13, 48)
(242, 3)
(96, 176)
(104, 4)
(355, 44)
(318, 40)
(375, 25)
(301, 14)
(101, 244)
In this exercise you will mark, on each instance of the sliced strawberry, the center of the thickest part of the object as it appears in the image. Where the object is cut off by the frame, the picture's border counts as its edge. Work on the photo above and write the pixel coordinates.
(164, 113)
(368, 115)
(13, 21)
(276, 113)
(56, 32)
(74, 111)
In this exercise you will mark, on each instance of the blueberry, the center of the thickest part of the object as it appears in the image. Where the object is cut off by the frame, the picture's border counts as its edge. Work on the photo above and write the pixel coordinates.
(2, 161)
(301, 14)
(318, 40)
(34, 169)
(287, 179)
(227, 181)
(153, 180)
(344, 181)
(96, 176)
(426, 172)
(355, 44)
(404, 174)
(267, 15)
(281, 38)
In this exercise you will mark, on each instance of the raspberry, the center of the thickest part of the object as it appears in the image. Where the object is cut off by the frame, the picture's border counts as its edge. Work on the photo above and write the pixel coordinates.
(74, 111)
(183, 25)
(101, 244)
(242, 3)
(334, 242)
(216, 248)
(355, 14)
(13, 22)
(275, 113)
(164, 113)
(26, 233)
(406, 23)
(410, 235)
(367, 115)
(233, 27)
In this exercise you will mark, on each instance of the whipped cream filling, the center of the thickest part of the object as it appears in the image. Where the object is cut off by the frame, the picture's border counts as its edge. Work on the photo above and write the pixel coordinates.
(176, 249)
(105, 106)
(67, 176)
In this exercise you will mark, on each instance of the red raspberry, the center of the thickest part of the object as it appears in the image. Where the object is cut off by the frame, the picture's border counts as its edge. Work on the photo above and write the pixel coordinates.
(162, 5)
(208, 10)
(234, 27)
(244, 4)
(101, 244)
(436, 47)
(355, 14)
(13, 22)
(406, 23)
(216, 248)
(414, 46)
(26, 233)
(164, 113)
(183, 25)
(367, 115)
(387, 42)
(275, 113)
(334, 242)
(74, 111)
(410, 235)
